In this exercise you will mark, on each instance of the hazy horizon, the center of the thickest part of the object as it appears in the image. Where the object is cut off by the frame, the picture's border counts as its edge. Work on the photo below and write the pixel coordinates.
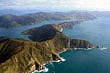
(57, 5)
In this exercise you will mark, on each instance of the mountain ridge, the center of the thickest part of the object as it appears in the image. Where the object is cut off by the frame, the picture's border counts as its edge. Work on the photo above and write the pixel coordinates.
(26, 56)
(8, 21)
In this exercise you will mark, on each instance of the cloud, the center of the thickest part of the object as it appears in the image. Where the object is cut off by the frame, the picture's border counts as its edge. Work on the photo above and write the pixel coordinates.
(101, 4)
(58, 4)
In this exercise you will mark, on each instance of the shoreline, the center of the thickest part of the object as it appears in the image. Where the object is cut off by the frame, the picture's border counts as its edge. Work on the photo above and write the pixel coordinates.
(60, 60)
(45, 68)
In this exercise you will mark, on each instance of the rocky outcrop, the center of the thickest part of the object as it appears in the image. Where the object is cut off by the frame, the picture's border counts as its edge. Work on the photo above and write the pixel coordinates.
(75, 43)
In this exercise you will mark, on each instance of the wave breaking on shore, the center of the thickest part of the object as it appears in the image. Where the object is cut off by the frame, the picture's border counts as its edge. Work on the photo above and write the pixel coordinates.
(104, 48)
(43, 70)
(46, 69)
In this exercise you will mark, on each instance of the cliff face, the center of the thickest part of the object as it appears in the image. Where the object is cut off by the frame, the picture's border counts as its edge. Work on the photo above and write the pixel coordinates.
(21, 56)
(75, 43)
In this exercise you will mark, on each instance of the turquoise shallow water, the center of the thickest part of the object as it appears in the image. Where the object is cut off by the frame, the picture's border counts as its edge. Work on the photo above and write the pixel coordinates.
(78, 61)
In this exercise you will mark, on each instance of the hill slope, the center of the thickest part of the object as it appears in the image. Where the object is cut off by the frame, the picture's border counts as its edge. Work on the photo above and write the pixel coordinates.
(21, 56)
(8, 21)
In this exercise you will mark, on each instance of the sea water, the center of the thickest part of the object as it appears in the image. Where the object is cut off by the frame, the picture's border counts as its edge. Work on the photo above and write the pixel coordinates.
(87, 61)
(96, 31)
(15, 32)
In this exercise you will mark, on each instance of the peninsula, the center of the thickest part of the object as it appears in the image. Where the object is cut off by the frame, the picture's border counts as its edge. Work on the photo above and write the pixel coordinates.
(22, 56)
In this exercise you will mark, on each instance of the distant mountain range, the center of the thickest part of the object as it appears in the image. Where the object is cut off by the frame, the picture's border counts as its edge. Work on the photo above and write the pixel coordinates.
(17, 12)
(101, 13)
(8, 21)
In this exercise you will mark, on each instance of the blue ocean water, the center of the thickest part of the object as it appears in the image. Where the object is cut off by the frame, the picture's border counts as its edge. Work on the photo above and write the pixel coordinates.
(87, 61)
(95, 31)
(83, 61)
(78, 61)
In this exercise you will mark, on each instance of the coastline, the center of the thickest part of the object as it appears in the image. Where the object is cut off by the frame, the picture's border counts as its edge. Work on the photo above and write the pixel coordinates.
(45, 69)
(58, 59)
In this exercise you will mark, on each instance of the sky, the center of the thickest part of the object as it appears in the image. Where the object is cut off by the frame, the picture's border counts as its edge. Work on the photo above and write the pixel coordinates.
(56, 4)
